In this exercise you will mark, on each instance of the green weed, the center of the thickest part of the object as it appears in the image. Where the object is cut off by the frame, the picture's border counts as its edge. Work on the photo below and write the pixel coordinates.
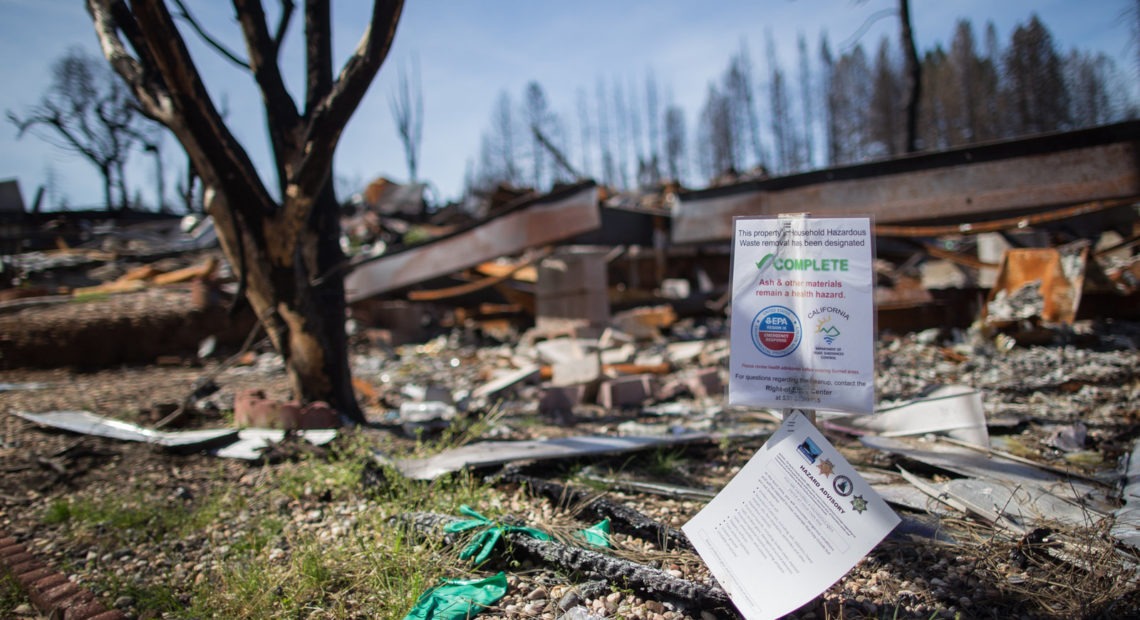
(11, 596)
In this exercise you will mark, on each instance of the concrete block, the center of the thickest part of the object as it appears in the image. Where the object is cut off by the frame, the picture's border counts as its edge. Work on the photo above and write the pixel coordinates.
(561, 398)
(631, 391)
(575, 371)
(705, 382)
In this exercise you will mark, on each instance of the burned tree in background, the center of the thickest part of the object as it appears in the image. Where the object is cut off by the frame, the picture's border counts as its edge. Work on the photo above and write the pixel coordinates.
(407, 105)
(1035, 81)
(913, 71)
(286, 248)
(88, 112)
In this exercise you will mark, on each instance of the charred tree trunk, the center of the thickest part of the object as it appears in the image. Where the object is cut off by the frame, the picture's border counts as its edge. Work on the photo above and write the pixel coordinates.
(285, 249)
(302, 313)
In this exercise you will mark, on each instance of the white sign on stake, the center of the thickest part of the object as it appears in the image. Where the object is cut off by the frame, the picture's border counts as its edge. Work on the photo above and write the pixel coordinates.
(803, 315)
(797, 517)
(793, 521)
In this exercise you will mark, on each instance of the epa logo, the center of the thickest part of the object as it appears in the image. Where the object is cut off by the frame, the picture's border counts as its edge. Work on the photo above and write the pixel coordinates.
(776, 331)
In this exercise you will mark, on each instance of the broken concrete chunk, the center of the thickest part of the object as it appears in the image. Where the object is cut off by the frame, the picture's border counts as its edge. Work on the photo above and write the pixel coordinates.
(680, 353)
(506, 380)
(572, 286)
(420, 413)
(558, 350)
(573, 372)
(645, 323)
(675, 288)
(619, 355)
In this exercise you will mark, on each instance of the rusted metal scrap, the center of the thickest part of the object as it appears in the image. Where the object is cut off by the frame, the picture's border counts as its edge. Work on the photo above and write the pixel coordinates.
(557, 216)
(1045, 283)
(965, 184)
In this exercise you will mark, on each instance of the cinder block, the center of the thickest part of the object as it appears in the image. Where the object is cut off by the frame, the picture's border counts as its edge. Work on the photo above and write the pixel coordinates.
(631, 391)
(705, 382)
(558, 398)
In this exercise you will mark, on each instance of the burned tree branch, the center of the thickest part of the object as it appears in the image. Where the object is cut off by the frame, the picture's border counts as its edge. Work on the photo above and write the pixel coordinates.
(209, 39)
(325, 122)
(646, 581)
(198, 123)
(559, 158)
(318, 52)
(279, 104)
(109, 18)
(287, 7)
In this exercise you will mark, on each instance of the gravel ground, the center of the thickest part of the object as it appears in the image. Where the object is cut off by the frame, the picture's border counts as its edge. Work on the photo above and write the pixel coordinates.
(1031, 391)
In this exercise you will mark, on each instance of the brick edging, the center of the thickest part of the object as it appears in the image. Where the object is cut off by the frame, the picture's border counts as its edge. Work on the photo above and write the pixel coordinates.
(52, 593)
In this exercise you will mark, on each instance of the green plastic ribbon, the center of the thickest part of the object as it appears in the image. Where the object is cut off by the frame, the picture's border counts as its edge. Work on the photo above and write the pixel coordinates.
(457, 599)
(598, 534)
(484, 542)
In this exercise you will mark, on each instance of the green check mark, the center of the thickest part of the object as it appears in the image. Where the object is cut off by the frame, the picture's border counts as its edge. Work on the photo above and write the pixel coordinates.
(764, 261)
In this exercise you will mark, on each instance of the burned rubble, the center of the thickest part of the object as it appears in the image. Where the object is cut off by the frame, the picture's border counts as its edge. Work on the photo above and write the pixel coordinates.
(578, 371)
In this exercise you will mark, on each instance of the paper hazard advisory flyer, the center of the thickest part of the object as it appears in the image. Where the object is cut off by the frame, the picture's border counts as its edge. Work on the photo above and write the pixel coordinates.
(803, 318)
(793, 521)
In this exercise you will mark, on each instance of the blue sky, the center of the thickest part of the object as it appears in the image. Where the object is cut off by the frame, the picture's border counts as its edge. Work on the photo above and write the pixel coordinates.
(471, 51)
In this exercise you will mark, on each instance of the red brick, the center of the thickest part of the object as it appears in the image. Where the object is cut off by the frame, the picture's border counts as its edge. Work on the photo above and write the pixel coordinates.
(27, 578)
(57, 596)
(47, 583)
(114, 614)
(15, 559)
(25, 566)
(12, 549)
(84, 611)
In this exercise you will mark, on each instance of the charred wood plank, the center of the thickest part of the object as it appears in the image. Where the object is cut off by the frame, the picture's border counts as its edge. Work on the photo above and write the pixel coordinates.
(649, 582)
(623, 519)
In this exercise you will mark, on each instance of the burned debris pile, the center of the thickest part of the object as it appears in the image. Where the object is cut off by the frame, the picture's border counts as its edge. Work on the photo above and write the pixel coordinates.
(571, 350)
